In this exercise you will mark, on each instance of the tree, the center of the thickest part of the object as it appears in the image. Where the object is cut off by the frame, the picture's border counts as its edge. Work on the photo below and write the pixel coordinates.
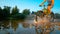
(15, 10)
(26, 11)
(33, 12)
(1, 13)
(19, 16)
(6, 12)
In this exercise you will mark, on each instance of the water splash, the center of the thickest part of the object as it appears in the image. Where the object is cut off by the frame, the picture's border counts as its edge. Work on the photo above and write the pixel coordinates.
(42, 21)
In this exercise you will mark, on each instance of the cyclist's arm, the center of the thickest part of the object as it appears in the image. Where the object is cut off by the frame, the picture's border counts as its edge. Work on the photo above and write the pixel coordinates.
(52, 2)
(43, 2)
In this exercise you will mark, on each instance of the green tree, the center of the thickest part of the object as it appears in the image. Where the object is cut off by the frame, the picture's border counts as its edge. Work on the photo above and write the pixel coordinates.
(4, 13)
(15, 10)
(6, 10)
(26, 11)
(33, 12)
(19, 16)
(1, 13)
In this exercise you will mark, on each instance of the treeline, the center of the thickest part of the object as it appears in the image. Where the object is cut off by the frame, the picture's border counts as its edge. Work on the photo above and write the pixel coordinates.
(4, 13)
(7, 13)
(57, 16)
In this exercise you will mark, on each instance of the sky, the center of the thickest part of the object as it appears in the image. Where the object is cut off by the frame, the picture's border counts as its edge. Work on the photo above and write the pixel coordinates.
(33, 5)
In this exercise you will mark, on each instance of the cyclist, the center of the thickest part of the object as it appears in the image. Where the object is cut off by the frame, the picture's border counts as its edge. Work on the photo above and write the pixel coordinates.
(50, 5)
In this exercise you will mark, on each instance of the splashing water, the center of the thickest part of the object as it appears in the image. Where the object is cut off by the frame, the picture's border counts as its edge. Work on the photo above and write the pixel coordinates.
(42, 21)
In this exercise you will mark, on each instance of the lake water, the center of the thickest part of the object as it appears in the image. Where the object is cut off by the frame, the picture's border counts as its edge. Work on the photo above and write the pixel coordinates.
(22, 27)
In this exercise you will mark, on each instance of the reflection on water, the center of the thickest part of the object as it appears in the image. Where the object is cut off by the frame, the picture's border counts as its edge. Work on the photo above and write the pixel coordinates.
(14, 24)
(21, 27)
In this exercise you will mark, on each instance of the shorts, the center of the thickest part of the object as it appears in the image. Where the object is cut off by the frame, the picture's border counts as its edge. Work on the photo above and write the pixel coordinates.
(49, 4)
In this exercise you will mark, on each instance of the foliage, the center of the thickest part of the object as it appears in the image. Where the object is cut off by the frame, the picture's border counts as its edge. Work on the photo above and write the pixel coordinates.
(34, 12)
(19, 16)
(4, 13)
(26, 11)
(15, 10)
(57, 16)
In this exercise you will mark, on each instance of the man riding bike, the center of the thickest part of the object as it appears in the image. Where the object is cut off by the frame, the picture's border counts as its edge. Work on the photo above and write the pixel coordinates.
(50, 5)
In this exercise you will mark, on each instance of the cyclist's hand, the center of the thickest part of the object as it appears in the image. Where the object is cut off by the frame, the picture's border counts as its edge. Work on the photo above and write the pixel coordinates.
(40, 5)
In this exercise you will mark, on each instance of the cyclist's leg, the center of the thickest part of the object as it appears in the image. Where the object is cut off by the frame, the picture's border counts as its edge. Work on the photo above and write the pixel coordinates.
(49, 9)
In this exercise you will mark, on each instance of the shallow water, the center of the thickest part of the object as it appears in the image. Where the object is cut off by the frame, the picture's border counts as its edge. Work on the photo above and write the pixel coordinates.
(22, 27)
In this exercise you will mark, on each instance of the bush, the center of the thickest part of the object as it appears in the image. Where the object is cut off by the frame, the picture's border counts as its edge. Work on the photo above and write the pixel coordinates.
(19, 16)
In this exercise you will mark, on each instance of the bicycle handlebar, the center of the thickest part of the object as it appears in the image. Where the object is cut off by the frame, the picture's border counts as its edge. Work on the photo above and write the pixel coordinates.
(41, 5)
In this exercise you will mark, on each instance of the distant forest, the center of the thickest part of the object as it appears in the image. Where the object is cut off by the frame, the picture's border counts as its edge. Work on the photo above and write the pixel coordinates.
(8, 13)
